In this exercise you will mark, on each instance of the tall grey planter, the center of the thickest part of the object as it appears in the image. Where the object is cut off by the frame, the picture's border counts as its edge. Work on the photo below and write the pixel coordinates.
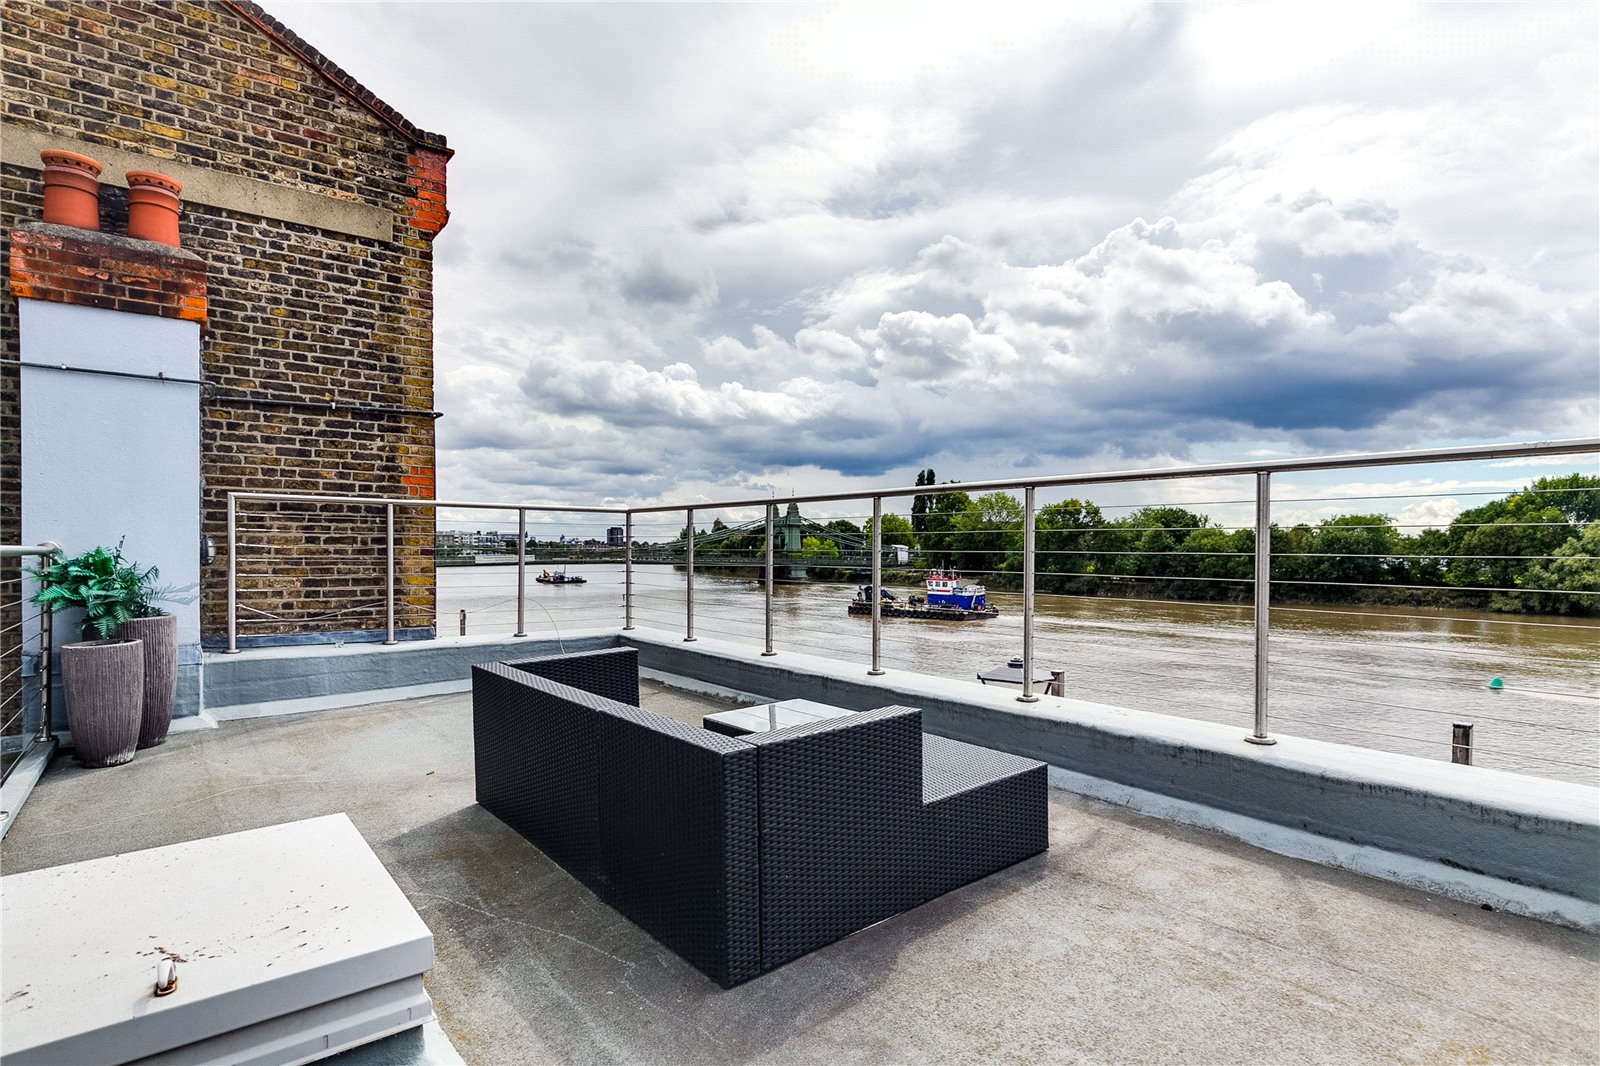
(160, 636)
(104, 685)
(160, 673)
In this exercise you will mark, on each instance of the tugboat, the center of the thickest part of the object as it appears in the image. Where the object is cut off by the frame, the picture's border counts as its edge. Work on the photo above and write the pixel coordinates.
(560, 578)
(945, 590)
(947, 601)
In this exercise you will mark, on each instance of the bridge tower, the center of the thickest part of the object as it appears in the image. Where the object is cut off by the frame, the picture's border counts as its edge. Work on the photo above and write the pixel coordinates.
(788, 536)
(791, 527)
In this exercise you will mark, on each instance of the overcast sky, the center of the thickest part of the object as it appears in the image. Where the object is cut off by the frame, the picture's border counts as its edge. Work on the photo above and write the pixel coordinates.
(712, 251)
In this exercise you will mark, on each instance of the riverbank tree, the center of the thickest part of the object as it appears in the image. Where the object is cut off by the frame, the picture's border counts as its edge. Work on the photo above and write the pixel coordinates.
(1531, 551)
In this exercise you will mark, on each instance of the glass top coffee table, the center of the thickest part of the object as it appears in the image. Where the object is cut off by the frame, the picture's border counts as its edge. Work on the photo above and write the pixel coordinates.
(765, 717)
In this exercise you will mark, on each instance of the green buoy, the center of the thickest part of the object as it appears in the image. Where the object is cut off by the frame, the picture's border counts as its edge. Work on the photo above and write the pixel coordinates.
(1496, 684)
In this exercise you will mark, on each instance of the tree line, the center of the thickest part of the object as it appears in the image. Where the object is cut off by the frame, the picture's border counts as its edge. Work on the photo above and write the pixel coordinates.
(1536, 550)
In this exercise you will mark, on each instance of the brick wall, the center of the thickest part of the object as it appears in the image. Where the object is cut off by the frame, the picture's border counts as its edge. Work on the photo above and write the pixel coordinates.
(318, 347)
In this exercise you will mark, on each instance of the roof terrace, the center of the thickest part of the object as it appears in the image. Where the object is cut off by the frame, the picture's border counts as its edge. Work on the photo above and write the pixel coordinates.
(1131, 939)
(1212, 891)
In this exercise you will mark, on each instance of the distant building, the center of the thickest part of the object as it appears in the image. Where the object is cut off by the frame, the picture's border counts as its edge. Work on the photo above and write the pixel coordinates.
(460, 538)
(614, 537)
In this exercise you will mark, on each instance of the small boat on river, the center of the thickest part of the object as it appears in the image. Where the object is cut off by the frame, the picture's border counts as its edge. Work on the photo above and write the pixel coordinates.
(946, 600)
(945, 589)
(561, 577)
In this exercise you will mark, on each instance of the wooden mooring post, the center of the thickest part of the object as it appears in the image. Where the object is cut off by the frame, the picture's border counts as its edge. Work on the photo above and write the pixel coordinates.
(1461, 743)
(463, 621)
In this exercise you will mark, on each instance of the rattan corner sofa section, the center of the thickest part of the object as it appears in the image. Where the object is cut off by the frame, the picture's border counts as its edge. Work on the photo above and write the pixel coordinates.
(741, 853)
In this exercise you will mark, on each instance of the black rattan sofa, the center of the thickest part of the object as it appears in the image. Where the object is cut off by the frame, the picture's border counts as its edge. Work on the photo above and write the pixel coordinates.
(741, 854)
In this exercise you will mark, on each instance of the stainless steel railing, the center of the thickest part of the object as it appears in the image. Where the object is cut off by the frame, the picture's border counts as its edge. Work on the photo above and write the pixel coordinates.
(1261, 471)
(14, 681)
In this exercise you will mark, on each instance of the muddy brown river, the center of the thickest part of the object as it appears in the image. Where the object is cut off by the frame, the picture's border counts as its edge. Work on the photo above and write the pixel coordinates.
(1387, 678)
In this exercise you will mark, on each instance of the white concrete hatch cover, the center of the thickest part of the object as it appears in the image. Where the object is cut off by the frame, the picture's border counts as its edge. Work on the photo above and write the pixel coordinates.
(291, 943)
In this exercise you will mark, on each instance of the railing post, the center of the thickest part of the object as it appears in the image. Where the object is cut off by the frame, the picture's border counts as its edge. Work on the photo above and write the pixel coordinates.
(1028, 695)
(1263, 598)
(877, 587)
(627, 571)
(772, 510)
(233, 576)
(388, 625)
(688, 600)
(46, 667)
(522, 569)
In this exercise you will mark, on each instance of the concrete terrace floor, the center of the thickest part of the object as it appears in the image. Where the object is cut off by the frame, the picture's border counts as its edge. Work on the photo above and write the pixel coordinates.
(1131, 940)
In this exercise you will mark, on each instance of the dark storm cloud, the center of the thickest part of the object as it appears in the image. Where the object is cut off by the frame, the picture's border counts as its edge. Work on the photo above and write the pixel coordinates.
(653, 281)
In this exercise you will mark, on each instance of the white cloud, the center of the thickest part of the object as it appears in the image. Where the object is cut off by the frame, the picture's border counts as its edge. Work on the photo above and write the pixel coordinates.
(708, 249)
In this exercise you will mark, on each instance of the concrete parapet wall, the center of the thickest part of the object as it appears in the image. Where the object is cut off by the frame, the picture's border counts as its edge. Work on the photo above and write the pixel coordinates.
(1541, 834)
(266, 681)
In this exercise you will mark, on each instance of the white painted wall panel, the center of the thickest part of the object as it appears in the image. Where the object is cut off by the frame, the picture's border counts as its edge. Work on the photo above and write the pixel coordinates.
(108, 458)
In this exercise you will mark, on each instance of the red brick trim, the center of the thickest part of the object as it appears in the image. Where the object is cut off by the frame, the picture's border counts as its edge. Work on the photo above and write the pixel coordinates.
(427, 202)
(64, 264)
(419, 482)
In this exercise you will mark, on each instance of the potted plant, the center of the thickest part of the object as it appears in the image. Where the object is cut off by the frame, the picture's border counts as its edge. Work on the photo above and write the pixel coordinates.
(113, 702)
(157, 631)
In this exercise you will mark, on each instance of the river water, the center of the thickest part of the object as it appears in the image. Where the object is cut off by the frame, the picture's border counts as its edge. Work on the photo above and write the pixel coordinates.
(1388, 678)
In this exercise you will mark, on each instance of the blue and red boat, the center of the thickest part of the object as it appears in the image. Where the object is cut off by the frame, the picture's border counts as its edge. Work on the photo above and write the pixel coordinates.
(945, 589)
(948, 599)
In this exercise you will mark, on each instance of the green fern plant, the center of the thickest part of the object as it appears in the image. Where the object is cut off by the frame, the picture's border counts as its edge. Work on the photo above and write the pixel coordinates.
(108, 588)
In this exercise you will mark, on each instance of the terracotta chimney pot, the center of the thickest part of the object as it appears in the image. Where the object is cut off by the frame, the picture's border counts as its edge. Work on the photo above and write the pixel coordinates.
(153, 207)
(71, 189)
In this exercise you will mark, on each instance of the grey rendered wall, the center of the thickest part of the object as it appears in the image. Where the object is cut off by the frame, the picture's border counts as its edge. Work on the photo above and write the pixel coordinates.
(285, 680)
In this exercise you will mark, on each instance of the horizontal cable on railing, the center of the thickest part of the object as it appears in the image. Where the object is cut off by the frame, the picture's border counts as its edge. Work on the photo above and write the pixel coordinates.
(1429, 588)
(1478, 749)
(1277, 556)
(268, 616)
(510, 582)
(453, 611)
(1130, 577)
(1442, 494)
(27, 620)
(1439, 741)
(1041, 594)
(1367, 674)
(701, 611)
(1434, 618)
(1136, 551)
(1362, 640)
(1342, 726)
(1451, 525)
(1444, 711)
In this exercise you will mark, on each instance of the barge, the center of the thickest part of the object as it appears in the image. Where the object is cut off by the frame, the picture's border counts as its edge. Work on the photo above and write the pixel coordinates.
(947, 600)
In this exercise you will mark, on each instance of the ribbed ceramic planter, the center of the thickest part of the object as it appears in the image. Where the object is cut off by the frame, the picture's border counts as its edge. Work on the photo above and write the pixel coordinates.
(153, 206)
(104, 684)
(160, 637)
(71, 189)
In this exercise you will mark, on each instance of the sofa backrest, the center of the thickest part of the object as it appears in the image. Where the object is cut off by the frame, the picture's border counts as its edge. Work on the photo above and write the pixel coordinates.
(842, 827)
(658, 818)
(679, 838)
(609, 672)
